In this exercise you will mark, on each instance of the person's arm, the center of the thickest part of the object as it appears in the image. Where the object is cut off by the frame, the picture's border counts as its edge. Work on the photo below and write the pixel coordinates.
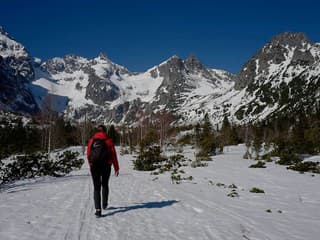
(89, 150)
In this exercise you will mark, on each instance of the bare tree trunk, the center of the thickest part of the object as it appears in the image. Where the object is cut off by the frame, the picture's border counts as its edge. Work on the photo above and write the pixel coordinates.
(83, 133)
(49, 140)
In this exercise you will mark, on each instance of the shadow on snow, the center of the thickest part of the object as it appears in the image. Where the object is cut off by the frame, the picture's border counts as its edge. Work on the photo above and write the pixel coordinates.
(140, 206)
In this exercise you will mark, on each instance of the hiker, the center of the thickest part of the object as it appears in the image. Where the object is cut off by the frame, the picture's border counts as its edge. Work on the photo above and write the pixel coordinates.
(101, 155)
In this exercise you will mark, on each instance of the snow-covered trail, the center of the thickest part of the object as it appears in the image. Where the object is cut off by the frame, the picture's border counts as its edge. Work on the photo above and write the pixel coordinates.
(143, 206)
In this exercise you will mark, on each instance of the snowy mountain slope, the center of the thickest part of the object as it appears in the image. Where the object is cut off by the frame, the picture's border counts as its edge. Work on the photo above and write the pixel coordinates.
(144, 207)
(16, 71)
(109, 92)
(269, 84)
(9, 47)
(281, 78)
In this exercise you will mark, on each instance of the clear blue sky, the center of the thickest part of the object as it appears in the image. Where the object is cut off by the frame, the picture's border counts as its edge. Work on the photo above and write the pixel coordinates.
(140, 34)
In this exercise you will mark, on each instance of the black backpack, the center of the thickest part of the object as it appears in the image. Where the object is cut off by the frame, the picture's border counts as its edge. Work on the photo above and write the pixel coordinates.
(98, 153)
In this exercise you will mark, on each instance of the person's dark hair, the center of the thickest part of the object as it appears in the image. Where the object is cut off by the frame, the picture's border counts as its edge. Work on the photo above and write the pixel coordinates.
(102, 128)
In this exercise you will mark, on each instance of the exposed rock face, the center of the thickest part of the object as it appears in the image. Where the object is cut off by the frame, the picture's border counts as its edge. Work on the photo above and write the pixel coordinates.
(180, 78)
(16, 70)
(174, 82)
(194, 66)
(280, 78)
(287, 48)
(275, 77)
(68, 64)
(120, 95)
(100, 90)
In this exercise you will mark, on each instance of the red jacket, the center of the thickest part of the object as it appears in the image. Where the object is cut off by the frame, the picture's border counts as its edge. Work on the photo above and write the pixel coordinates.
(113, 158)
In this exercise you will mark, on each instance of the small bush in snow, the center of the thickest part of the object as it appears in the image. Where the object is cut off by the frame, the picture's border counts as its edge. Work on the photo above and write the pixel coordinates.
(203, 156)
(175, 178)
(221, 185)
(256, 190)
(307, 166)
(198, 163)
(38, 164)
(185, 140)
(289, 159)
(268, 156)
(233, 193)
(259, 164)
(232, 186)
(66, 162)
(190, 178)
(149, 159)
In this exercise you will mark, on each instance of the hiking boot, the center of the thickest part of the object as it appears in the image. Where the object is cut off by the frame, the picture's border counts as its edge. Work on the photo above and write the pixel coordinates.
(104, 207)
(98, 213)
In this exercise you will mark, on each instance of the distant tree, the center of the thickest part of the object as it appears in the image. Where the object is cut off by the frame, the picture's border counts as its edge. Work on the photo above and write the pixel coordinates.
(197, 134)
(207, 140)
(114, 135)
(229, 135)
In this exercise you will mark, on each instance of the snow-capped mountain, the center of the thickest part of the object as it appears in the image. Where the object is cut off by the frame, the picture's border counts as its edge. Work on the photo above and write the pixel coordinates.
(106, 91)
(281, 78)
(16, 71)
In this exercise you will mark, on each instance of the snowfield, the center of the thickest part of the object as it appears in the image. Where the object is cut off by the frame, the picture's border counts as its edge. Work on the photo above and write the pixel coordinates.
(144, 206)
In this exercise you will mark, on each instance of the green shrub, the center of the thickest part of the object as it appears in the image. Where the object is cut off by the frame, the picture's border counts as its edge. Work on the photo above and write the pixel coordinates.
(185, 140)
(66, 162)
(148, 159)
(232, 186)
(198, 163)
(256, 190)
(259, 164)
(221, 185)
(190, 178)
(208, 147)
(38, 164)
(267, 157)
(203, 156)
(307, 166)
(288, 159)
(176, 178)
(233, 194)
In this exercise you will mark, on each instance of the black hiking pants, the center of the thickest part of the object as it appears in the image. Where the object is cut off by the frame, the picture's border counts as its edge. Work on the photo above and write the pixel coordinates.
(100, 176)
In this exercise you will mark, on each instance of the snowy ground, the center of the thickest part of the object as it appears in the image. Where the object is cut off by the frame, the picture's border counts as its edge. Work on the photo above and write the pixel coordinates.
(140, 208)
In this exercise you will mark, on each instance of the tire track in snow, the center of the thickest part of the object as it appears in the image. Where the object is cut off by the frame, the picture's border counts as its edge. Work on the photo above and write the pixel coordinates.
(84, 225)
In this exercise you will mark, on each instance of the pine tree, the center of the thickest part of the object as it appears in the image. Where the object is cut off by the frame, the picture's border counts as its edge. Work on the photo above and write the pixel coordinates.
(114, 135)
(207, 140)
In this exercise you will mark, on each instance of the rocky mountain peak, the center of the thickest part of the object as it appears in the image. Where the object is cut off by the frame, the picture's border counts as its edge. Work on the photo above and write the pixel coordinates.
(174, 61)
(2, 31)
(103, 56)
(288, 49)
(10, 48)
(292, 39)
(192, 58)
(72, 56)
(193, 63)
(16, 70)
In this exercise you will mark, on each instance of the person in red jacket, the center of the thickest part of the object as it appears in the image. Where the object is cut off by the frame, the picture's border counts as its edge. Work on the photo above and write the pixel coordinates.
(100, 171)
